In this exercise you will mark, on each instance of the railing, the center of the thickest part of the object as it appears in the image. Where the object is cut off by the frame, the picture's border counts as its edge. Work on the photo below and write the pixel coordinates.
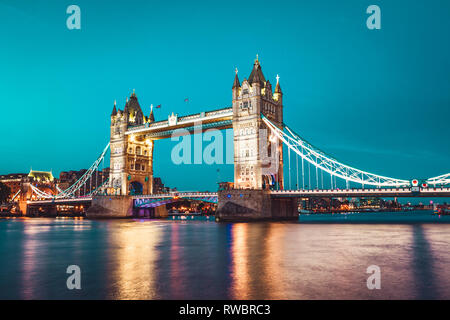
(177, 194)
(183, 119)
(360, 190)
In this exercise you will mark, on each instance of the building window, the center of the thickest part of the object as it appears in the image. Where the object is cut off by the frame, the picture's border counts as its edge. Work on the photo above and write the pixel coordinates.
(138, 150)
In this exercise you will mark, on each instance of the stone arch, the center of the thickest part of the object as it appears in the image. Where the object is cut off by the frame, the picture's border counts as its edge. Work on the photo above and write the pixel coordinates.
(135, 187)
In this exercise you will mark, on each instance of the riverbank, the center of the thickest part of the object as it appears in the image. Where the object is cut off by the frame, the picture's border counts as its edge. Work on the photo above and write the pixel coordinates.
(375, 217)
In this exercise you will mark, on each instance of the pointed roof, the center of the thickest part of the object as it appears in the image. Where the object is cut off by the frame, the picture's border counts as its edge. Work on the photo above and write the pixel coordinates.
(236, 83)
(132, 106)
(125, 109)
(114, 111)
(256, 76)
(151, 117)
(278, 88)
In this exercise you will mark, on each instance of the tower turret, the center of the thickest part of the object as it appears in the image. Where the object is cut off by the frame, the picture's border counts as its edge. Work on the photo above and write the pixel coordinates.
(278, 96)
(114, 111)
(236, 85)
(151, 117)
(133, 112)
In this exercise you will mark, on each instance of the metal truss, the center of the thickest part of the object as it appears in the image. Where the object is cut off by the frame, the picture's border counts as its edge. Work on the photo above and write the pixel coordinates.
(70, 192)
(15, 196)
(440, 180)
(101, 187)
(323, 162)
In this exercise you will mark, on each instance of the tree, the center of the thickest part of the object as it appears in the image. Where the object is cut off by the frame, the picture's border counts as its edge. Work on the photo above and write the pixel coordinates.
(5, 192)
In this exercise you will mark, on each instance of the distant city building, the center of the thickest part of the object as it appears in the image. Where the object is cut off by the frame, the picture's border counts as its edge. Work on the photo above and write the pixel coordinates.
(13, 181)
(158, 186)
(47, 183)
(41, 176)
(68, 178)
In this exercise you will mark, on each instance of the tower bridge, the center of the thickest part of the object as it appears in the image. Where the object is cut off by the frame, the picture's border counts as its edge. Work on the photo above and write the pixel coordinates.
(259, 189)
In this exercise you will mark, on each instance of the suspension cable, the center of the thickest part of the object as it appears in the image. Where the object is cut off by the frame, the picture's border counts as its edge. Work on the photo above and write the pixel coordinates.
(335, 168)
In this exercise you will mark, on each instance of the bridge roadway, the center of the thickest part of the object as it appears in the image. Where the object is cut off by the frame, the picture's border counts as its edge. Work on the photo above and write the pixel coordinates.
(352, 193)
(336, 193)
(60, 201)
(219, 119)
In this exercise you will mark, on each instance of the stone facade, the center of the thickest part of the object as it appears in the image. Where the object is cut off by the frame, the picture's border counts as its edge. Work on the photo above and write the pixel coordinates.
(110, 207)
(131, 165)
(258, 159)
(253, 205)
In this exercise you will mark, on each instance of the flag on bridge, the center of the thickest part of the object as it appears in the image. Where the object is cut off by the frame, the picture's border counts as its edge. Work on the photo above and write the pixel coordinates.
(158, 106)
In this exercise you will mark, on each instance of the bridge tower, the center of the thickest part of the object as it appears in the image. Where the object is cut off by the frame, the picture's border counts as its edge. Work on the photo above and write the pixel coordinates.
(258, 157)
(131, 155)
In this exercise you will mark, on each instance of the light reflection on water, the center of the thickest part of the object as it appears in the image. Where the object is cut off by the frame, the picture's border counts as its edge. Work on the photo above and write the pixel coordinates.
(138, 259)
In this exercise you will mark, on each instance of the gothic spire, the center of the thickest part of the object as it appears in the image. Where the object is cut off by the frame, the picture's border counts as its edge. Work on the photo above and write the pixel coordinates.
(151, 117)
(256, 76)
(278, 88)
(114, 111)
(236, 83)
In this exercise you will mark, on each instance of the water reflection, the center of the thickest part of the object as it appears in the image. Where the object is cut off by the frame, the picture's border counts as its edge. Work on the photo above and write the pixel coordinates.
(258, 255)
(29, 265)
(240, 264)
(175, 256)
(207, 260)
(134, 249)
(423, 265)
(274, 261)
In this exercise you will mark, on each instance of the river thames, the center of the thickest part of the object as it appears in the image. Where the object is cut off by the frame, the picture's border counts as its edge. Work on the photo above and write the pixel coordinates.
(160, 259)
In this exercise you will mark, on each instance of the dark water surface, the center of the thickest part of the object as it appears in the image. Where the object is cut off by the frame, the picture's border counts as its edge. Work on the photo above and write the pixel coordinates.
(156, 259)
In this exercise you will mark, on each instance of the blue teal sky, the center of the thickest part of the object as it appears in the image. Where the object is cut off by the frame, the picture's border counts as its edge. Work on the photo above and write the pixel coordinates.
(376, 99)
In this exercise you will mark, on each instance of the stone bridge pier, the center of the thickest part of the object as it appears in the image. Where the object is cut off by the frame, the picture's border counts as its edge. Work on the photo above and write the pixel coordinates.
(254, 205)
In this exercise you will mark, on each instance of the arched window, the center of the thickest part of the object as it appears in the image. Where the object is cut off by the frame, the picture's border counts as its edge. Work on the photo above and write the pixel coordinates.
(138, 150)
